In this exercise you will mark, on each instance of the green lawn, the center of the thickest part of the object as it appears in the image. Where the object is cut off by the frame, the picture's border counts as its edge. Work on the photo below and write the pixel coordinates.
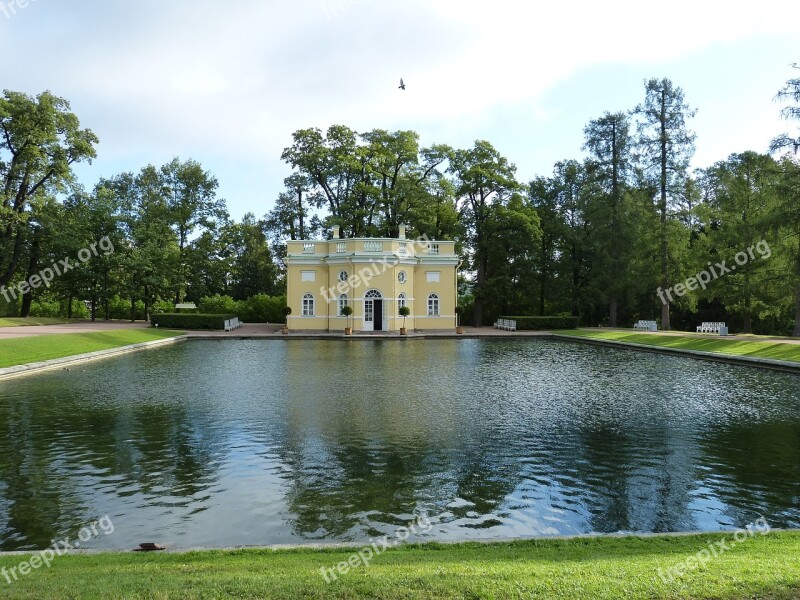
(756, 349)
(759, 567)
(20, 351)
(17, 322)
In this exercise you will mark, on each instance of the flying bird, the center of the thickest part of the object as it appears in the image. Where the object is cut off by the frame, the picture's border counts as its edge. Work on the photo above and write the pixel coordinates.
(402, 85)
(793, 65)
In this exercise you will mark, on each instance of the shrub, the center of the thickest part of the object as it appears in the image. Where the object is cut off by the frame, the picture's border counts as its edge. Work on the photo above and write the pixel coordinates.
(46, 308)
(190, 320)
(262, 309)
(217, 304)
(536, 323)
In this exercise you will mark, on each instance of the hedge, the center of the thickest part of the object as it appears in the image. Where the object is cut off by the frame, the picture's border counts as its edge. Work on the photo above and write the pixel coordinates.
(536, 323)
(190, 320)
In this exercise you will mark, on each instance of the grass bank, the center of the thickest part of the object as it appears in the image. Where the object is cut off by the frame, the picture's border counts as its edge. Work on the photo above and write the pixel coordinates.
(759, 567)
(17, 322)
(21, 351)
(754, 349)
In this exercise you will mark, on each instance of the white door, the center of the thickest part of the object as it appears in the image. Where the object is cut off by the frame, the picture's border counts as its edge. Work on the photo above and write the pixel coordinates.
(373, 311)
(369, 315)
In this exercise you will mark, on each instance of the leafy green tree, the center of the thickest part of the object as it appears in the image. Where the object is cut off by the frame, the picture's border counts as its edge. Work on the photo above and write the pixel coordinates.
(253, 271)
(785, 142)
(665, 147)
(484, 180)
(190, 195)
(40, 140)
(742, 198)
(608, 142)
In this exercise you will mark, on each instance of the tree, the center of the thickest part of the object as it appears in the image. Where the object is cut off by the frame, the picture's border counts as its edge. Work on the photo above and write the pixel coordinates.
(791, 190)
(666, 147)
(483, 179)
(742, 197)
(190, 195)
(40, 141)
(607, 141)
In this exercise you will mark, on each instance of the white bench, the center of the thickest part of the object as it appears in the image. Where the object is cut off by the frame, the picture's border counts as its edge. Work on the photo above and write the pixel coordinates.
(713, 327)
(645, 326)
(231, 324)
(506, 324)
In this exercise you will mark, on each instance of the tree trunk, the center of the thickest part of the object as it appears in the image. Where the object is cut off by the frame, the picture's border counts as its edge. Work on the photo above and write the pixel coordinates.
(612, 312)
(665, 322)
(25, 309)
(133, 309)
(69, 307)
(33, 267)
(796, 332)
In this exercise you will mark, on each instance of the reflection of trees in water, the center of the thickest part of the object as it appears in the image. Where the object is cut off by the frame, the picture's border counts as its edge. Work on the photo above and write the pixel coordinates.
(58, 452)
(631, 480)
(756, 468)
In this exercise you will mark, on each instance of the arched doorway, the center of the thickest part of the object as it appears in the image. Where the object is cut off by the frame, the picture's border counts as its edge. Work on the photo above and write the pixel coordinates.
(373, 311)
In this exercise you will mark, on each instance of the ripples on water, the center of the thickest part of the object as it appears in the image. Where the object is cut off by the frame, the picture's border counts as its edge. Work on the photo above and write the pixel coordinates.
(260, 442)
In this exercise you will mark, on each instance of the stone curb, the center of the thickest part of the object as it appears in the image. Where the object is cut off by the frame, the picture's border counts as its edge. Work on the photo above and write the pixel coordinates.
(734, 359)
(56, 363)
(355, 546)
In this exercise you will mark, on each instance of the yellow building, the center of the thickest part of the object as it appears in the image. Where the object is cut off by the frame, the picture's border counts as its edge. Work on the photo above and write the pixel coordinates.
(375, 276)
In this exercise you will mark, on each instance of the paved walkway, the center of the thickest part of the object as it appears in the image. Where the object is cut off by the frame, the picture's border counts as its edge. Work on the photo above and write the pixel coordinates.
(78, 327)
(259, 330)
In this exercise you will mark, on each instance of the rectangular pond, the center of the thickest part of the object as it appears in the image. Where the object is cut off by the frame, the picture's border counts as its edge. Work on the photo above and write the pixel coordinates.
(248, 442)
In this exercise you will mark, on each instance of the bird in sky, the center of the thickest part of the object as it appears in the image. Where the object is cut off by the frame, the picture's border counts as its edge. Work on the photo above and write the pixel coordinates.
(794, 65)
(402, 85)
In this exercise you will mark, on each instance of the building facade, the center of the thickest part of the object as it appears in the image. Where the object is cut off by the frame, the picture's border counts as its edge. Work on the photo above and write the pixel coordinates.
(375, 276)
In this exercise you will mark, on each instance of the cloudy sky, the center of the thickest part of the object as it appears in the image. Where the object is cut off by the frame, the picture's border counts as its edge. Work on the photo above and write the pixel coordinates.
(226, 83)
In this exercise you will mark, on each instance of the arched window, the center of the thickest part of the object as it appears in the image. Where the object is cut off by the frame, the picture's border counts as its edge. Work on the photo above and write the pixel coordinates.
(401, 301)
(433, 305)
(308, 305)
(342, 304)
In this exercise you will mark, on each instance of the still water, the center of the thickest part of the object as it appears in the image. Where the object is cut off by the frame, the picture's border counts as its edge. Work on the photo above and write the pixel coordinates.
(230, 442)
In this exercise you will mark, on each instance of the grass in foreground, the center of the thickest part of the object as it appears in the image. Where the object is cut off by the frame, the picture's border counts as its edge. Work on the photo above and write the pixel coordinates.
(773, 350)
(20, 351)
(760, 567)
(27, 322)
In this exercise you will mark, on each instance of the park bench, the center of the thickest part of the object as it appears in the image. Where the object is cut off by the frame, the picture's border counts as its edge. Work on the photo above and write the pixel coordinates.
(642, 325)
(506, 324)
(713, 327)
(231, 324)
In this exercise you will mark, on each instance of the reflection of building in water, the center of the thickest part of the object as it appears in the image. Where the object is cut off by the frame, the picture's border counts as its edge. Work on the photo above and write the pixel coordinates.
(375, 277)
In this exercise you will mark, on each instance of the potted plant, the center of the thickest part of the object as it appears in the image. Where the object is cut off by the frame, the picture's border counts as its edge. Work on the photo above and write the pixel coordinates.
(287, 310)
(404, 311)
(459, 328)
(347, 310)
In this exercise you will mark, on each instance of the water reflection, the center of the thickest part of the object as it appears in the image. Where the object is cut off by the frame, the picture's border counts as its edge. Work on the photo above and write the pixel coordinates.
(248, 442)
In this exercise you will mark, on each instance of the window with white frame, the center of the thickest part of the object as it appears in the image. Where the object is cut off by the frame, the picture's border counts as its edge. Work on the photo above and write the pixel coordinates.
(433, 305)
(342, 276)
(308, 305)
(342, 304)
(401, 301)
(401, 277)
